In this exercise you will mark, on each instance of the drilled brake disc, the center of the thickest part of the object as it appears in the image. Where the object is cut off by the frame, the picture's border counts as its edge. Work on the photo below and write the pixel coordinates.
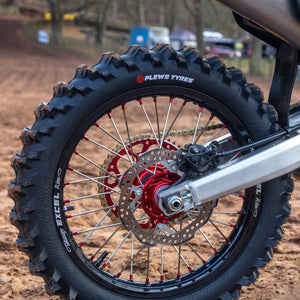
(129, 206)
(109, 164)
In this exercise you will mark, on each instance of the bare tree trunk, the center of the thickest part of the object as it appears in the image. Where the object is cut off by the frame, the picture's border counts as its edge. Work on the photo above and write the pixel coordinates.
(136, 11)
(255, 60)
(115, 10)
(56, 19)
(199, 25)
(195, 9)
(102, 12)
(171, 13)
(162, 15)
(141, 10)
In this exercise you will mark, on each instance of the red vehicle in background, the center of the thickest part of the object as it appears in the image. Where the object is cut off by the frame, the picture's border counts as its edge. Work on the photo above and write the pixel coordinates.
(224, 51)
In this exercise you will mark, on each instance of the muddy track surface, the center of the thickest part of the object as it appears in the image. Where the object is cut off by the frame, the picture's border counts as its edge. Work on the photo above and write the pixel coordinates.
(28, 71)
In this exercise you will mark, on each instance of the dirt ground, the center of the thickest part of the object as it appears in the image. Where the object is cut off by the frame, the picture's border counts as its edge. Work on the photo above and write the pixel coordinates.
(27, 73)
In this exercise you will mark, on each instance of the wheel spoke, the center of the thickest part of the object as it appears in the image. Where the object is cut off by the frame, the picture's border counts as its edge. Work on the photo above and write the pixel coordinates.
(204, 128)
(133, 257)
(128, 134)
(121, 251)
(176, 117)
(219, 230)
(88, 196)
(148, 120)
(105, 148)
(93, 180)
(108, 133)
(235, 156)
(96, 165)
(223, 223)
(95, 228)
(157, 119)
(148, 263)
(90, 211)
(162, 263)
(104, 227)
(119, 135)
(166, 122)
(117, 248)
(215, 134)
(105, 243)
(197, 124)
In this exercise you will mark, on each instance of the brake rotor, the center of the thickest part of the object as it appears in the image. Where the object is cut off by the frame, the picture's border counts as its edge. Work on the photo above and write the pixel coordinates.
(139, 144)
(129, 206)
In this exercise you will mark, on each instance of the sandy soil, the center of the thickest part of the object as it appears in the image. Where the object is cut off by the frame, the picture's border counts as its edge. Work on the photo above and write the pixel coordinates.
(27, 73)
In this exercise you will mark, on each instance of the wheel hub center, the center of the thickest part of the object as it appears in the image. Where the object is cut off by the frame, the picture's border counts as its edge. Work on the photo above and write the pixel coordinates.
(163, 231)
(149, 199)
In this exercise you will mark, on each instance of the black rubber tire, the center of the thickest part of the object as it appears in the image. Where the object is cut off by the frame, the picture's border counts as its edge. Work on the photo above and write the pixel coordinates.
(76, 105)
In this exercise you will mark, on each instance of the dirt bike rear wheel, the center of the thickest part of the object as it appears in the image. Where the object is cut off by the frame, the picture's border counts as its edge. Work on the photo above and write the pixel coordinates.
(67, 190)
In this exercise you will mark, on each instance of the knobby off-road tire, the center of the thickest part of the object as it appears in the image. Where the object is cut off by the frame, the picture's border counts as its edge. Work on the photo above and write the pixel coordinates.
(74, 154)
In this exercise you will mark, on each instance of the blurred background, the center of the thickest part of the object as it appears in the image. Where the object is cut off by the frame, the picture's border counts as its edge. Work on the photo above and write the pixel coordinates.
(96, 26)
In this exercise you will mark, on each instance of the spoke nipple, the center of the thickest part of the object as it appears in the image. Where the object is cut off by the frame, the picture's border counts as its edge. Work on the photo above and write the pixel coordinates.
(123, 107)
(67, 183)
(96, 124)
(190, 269)
(76, 152)
(74, 233)
(69, 216)
(230, 139)
(205, 262)
(140, 101)
(81, 244)
(66, 201)
(130, 277)
(227, 240)
(233, 226)
(118, 275)
(240, 212)
(103, 266)
(68, 208)
(216, 251)
(178, 276)
(211, 117)
(70, 169)
(201, 109)
(92, 257)
(86, 138)
(147, 280)
(162, 278)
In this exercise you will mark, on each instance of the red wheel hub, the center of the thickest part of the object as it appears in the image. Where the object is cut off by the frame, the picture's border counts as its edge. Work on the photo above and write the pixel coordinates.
(152, 183)
(158, 182)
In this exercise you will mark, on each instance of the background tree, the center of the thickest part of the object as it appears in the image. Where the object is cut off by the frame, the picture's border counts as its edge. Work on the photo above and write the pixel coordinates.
(102, 7)
(195, 8)
(173, 13)
(135, 10)
(57, 15)
(255, 60)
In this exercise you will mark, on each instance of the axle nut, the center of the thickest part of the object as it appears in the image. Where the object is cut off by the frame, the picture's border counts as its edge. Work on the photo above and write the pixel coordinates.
(174, 203)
